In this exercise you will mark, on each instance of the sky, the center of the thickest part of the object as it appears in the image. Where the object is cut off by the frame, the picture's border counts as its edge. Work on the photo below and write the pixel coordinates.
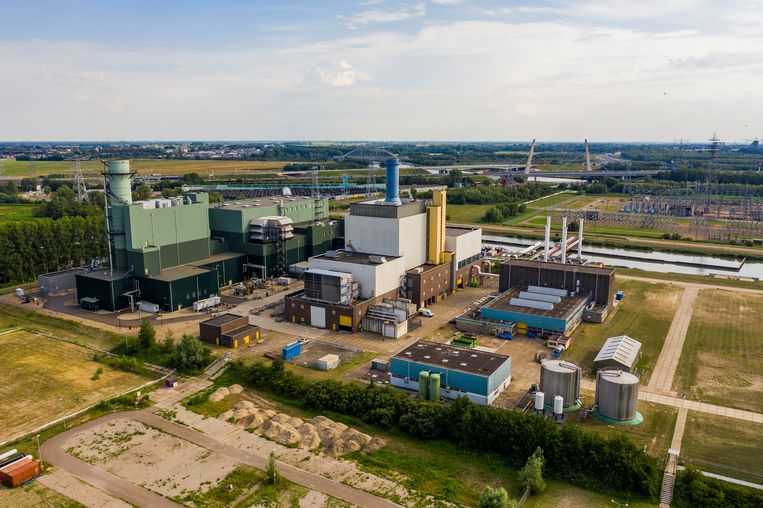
(439, 70)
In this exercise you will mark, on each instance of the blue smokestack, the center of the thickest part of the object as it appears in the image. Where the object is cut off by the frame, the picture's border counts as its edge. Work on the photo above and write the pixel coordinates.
(393, 181)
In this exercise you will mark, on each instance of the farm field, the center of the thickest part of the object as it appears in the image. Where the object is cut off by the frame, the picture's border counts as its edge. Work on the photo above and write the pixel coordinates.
(644, 314)
(143, 166)
(16, 212)
(550, 201)
(722, 358)
(51, 378)
(723, 446)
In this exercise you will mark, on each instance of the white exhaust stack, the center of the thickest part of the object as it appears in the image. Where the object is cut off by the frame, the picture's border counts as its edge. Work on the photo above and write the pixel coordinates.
(580, 240)
(547, 242)
(564, 240)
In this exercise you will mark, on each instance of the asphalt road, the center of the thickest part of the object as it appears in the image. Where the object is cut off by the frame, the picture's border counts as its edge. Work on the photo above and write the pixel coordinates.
(54, 452)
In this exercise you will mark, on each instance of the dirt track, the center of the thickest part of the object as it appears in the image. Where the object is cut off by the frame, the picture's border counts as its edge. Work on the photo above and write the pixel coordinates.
(54, 452)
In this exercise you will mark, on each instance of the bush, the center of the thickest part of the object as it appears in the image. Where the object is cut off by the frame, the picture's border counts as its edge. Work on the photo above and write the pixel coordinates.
(190, 356)
(146, 335)
(531, 475)
(124, 363)
(495, 498)
(693, 490)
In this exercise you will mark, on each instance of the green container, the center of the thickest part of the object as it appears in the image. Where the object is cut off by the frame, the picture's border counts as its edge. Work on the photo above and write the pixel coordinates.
(434, 387)
(424, 385)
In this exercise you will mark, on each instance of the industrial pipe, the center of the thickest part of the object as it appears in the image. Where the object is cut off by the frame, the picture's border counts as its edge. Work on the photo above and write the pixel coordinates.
(564, 240)
(580, 240)
(393, 181)
(547, 242)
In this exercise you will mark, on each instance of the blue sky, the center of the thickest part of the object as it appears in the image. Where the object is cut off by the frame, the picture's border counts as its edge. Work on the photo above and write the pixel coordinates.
(381, 69)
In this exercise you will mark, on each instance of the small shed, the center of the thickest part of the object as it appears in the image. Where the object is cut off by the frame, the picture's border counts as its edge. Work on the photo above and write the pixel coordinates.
(620, 352)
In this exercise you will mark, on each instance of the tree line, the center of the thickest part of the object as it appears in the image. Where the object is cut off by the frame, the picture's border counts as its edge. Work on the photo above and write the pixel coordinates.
(571, 454)
(29, 248)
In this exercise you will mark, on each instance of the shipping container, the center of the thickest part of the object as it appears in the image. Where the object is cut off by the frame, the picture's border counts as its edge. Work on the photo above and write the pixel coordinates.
(292, 350)
(328, 362)
(619, 295)
(21, 474)
(149, 307)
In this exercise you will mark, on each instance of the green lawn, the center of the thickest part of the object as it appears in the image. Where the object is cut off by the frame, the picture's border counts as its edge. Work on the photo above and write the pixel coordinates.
(13, 212)
(724, 446)
(145, 166)
(722, 358)
(552, 200)
(685, 277)
(654, 434)
(644, 314)
(467, 213)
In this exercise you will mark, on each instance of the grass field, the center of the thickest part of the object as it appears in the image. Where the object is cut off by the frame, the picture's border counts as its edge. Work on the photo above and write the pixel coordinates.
(551, 200)
(722, 358)
(644, 314)
(655, 434)
(12, 316)
(142, 166)
(35, 495)
(50, 378)
(724, 446)
(16, 212)
(467, 213)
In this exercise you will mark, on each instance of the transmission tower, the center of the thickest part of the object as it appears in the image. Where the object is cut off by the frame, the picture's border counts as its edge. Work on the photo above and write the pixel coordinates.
(2, 167)
(715, 145)
(371, 179)
(79, 183)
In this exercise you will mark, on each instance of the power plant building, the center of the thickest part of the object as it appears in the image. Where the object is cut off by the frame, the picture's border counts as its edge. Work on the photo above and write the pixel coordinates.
(397, 254)
(479, 375)
(174, 252)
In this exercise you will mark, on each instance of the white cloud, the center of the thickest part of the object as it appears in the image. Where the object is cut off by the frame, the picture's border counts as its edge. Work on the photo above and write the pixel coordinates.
(400, 12)
(447, 2)
(473, 79)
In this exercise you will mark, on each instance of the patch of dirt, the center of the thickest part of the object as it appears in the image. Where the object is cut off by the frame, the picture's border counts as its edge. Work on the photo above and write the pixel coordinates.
(145, 456)
(343, 471)
(722, 378)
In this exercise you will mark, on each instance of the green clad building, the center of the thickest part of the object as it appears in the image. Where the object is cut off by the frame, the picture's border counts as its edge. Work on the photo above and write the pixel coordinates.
(173, 252)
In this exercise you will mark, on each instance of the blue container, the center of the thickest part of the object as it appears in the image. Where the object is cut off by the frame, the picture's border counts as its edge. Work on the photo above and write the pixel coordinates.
(291, 351)
(619, 295)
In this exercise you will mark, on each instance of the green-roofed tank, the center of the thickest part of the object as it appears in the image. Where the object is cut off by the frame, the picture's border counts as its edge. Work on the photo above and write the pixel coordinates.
(424, 385)
(119, 181)
(434, 387)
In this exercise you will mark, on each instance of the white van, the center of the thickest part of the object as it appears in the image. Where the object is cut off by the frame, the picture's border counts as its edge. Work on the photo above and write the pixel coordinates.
(426, 312)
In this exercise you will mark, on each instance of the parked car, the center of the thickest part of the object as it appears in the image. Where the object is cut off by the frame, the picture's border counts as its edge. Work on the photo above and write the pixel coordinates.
(426, 313)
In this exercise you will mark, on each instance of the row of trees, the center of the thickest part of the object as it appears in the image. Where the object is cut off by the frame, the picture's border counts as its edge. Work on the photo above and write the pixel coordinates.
(29, 248)
(583, 458)
(694, 490)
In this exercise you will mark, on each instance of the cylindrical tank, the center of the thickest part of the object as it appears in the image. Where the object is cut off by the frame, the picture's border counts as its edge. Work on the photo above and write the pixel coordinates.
(424, 385)
(539, 401)
(434, 387)
(558, 405)
(119, 181)
(616, 394)
(393, 181)
(558, 377)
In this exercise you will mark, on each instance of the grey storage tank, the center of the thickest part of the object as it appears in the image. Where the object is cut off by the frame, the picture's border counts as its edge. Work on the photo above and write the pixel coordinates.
(558, 377)
(617, 394)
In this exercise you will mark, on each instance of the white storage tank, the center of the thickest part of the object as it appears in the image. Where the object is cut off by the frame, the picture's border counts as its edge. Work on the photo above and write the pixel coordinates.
(558, 405)
(539, 401)
(617, 394)
(558, 377)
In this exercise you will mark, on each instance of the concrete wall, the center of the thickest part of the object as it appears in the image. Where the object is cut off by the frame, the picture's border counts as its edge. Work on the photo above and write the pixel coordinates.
(373, 280)
(466, 245)
(404, 237)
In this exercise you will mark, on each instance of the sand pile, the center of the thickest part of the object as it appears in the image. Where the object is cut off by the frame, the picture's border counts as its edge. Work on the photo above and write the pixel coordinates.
(223, 392)
(335, 438)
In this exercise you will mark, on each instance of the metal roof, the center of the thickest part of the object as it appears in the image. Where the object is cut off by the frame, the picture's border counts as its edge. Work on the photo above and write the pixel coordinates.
(621, 349)
(450, 357)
